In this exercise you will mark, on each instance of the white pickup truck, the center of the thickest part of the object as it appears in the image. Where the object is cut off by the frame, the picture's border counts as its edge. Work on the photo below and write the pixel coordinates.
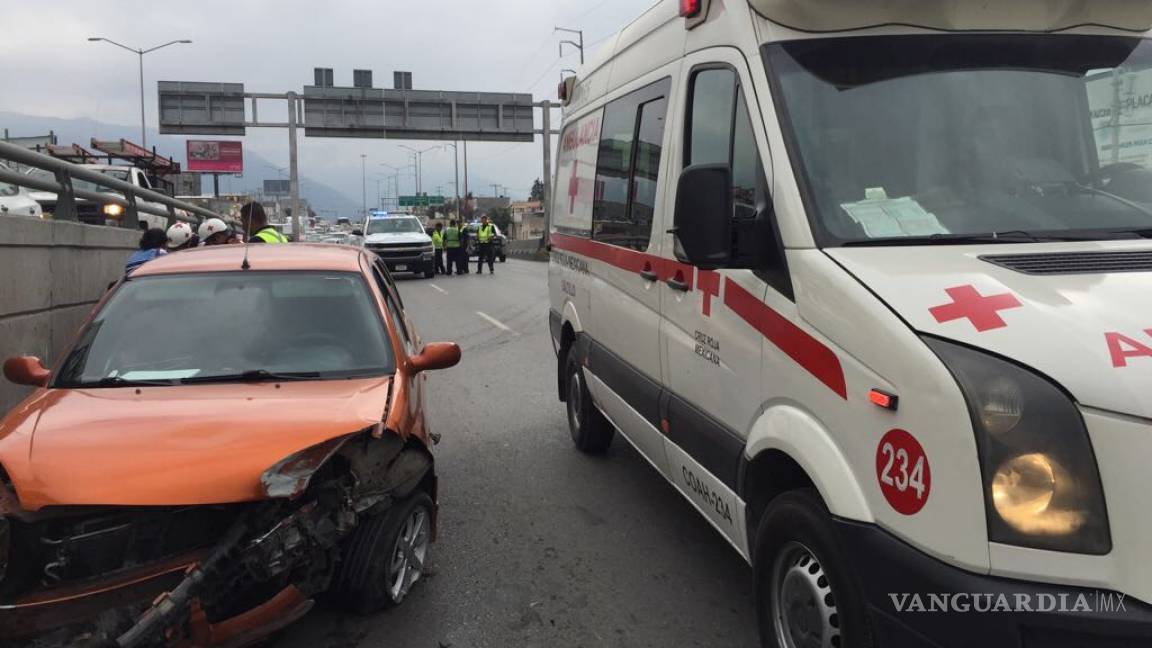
(94, 213)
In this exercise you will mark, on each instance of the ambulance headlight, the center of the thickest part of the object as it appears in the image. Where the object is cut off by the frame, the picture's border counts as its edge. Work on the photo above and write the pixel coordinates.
(1042, 486)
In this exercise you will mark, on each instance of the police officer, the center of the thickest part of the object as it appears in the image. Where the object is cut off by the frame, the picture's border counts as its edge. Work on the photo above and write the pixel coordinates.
(256, 224)
(452, 246)
(484, 236)
(438, 245)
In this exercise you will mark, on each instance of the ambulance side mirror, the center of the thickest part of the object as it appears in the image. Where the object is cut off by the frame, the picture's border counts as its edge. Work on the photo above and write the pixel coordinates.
(703, 217)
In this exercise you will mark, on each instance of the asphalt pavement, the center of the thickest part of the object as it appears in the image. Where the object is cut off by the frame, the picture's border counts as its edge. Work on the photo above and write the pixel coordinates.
(540, 545)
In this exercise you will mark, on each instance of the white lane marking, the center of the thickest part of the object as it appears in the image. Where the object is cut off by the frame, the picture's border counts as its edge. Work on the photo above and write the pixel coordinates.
(495, 322)
(438, 289)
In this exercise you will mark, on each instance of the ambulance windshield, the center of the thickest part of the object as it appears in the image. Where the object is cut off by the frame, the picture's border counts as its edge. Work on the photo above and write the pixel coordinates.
(1009, 137)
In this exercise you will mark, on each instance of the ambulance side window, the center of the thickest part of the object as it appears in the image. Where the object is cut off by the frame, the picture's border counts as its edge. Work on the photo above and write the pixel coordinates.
(628, 167)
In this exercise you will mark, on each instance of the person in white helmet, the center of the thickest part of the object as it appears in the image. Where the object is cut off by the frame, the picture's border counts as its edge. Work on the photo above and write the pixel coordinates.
(216, 232)
(181, 237)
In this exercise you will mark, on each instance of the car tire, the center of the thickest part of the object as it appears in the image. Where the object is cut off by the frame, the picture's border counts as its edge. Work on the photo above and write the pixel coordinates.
(806, 592)
(591, 431)
(503, 259)
(377, 573)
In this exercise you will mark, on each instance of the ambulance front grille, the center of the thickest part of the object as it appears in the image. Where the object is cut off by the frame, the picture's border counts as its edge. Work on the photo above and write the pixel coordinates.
(1074, 262)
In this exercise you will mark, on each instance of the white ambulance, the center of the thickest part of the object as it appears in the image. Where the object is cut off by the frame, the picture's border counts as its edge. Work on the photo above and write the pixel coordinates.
(870, 284)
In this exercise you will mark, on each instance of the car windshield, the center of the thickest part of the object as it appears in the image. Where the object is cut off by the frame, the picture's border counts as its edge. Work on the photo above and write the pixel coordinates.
(906, 139)
(394, 226)
(202, 327)
(119, 174)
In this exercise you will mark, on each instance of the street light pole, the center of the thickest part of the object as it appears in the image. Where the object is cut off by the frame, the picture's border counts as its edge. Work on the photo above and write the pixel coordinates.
(578, 45)
(419, 164)
(140, 54)
(364, 183)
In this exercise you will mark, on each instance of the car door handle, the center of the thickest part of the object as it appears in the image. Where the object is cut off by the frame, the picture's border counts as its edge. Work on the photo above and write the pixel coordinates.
(676, 284)
(649, 275)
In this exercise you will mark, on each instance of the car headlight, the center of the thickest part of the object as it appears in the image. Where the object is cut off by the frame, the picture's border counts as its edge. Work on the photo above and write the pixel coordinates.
(1042, 486)
(112, 210)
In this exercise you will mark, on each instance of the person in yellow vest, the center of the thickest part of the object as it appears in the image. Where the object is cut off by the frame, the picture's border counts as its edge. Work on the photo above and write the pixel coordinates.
(485, 234)
(452, 247)
(438, 246)
(257, 227)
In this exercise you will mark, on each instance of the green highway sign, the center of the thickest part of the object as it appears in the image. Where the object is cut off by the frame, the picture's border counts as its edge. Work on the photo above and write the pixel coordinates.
(421, 201)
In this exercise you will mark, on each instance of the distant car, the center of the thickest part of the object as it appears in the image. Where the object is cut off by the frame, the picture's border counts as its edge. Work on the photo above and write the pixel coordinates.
(219, 448)
(16, 201)
(99, 214)
(402, 243)
(499, 250)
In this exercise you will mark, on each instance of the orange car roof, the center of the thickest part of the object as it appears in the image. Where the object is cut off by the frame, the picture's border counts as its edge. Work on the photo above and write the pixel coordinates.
(261, 256)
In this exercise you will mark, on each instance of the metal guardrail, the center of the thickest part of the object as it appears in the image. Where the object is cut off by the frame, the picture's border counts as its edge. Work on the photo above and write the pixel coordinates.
(66, 195)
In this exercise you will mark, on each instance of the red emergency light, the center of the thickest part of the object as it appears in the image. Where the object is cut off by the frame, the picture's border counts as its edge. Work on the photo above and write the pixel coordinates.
(691, 8)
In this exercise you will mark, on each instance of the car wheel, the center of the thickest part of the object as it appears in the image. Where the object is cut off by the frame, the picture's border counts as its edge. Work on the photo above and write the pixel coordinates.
(591, 431)
(386, 556)
(806, 593)
(503, 259)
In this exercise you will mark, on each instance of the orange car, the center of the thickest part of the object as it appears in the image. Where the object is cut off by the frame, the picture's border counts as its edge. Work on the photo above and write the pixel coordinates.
(228, 437)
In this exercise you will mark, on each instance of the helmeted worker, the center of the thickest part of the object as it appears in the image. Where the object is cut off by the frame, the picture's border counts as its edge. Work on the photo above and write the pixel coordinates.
(438, 248)
(181, 237)
(485, 235)
(256, 224)
(453, 249)
(216, 232)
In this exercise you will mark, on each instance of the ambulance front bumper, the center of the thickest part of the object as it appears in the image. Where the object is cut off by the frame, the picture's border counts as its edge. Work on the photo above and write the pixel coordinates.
(917, 601)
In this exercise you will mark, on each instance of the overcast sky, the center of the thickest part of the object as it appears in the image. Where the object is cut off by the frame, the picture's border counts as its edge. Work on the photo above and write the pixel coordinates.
(49, 68)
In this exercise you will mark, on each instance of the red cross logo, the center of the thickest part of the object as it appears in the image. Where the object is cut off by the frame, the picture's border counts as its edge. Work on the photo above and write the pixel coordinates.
(709, 283)
(968, 303)
(574, 186)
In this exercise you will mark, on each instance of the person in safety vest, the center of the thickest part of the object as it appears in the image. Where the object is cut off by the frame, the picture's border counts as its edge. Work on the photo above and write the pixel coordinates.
(438, 246)
(257, 227)
(485, 234)
(452, 247)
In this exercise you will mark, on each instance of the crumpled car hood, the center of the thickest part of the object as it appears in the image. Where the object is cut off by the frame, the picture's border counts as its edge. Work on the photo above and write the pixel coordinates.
(174, 445)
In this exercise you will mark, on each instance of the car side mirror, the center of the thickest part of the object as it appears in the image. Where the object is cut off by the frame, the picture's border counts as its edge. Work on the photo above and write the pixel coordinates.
(703, 217)
(357, 232)
(438, 355)
(26, 370)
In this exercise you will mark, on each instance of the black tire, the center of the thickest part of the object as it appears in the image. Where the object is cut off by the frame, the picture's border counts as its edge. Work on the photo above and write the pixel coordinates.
(798, 560)
(363, 585)
(503, 259)
(591, 432)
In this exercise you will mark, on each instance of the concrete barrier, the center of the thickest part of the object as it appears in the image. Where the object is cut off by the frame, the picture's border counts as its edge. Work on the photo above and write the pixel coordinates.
(51, 274)
(528, 249)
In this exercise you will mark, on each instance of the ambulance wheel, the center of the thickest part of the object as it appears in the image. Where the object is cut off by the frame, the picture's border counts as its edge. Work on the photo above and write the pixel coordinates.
(591, 432)
(806, 593)
(385, 556)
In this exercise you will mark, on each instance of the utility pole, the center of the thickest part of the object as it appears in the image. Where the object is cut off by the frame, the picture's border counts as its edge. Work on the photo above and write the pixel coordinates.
(495, 190)
(578, 45)
(419, 164)
(547, 133)
(294, 110)
(464, 208)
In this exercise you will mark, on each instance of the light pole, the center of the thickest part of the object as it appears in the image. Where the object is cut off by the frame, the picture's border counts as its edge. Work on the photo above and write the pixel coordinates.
(140, 52)
(456, 158)
(364, 182)
(396, 175)
(419, 164)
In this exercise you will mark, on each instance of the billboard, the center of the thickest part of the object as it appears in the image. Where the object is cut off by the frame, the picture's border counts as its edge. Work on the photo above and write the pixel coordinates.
(277, 187)
(214, 156)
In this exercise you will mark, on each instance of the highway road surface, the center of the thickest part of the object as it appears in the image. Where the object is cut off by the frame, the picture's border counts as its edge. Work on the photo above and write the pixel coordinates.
(540, 545)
